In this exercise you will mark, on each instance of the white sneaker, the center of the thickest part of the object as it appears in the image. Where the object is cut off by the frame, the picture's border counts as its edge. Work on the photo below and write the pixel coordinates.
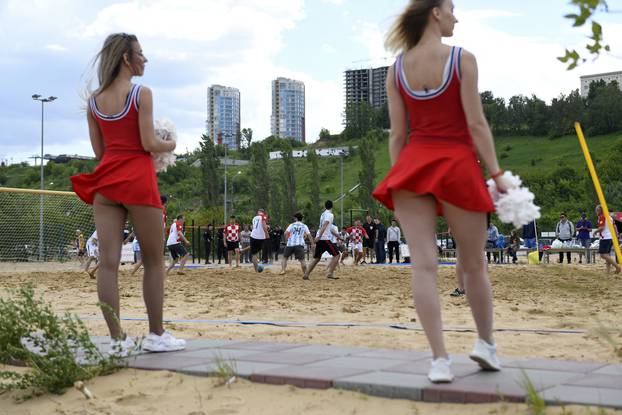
(163, 343)
(122, 348)
(440, 371)
(485, 355)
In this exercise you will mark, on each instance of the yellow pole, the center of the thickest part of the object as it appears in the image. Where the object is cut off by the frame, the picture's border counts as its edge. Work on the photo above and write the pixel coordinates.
(599, 190)
(36, 191)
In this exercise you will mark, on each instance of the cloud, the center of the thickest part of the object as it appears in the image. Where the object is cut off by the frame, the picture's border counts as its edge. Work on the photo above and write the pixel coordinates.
(55, 47)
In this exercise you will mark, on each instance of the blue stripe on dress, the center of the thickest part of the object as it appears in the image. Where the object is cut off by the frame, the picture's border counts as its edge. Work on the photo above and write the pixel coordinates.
(459, 63)
(434, 94)
(136, 95)
(120, 115)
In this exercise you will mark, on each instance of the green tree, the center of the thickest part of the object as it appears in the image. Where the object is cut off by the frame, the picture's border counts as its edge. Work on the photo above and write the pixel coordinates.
(210, 174)
(367, 174)
(289, 180)
(324, 134)
(359, 119)
(260, 178)
(604, 108)
(313, 212)
(587, 9)
(247, 137)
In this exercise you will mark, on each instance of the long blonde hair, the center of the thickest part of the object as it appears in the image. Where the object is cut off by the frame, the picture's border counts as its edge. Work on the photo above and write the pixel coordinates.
(110, 58)
(408, 29)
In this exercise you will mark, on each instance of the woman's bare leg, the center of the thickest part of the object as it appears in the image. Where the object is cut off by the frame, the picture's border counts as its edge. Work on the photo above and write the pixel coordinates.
(148, 223)
(417, 215)
(109, 221)
(469, 230)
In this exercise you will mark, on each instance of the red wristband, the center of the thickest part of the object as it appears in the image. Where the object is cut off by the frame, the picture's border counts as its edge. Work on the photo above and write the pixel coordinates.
(497, 174)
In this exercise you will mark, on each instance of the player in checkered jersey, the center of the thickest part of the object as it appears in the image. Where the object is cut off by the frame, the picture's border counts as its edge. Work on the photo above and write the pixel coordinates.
(357, 233)
(232, 241)
(295, 235)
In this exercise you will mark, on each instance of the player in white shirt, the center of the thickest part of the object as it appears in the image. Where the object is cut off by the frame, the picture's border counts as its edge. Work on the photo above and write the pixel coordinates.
(92, 249)
(295, 235)
(324, 244)
(175, 242)
(259, 234)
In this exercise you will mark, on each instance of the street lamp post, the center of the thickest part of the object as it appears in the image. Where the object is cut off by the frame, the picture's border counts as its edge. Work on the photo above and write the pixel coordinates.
(225, 219)
(38, 97)
(342, 195)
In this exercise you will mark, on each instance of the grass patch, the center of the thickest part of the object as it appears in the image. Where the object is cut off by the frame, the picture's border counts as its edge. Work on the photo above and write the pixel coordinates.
(28, 323)
(226, 371)
(535, 402)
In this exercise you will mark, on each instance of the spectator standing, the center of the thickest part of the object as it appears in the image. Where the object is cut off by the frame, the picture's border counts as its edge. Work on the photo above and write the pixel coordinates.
(513, 246)
(564, 231)
(584, 227)
(245, 239)
(529, 235)
(275, 237)
(370, 243)
(394, 236)
(220, 245)
(491, 241)
(381, 236)
(208, 237)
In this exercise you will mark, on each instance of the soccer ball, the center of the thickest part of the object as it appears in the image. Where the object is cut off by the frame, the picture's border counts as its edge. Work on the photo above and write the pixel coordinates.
(260, 268)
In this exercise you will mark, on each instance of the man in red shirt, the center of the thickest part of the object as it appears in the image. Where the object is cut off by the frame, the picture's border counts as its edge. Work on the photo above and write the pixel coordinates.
(357, 233)
(232, 241)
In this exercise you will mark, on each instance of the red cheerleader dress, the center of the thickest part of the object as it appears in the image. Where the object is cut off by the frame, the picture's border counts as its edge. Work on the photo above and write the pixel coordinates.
(126, 173)
(439, 158)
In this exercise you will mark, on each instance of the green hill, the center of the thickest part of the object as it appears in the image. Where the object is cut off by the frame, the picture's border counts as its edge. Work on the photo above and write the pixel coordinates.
(554, 169)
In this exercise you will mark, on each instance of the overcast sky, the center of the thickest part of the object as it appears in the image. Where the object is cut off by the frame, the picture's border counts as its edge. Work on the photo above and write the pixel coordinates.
(48, 47)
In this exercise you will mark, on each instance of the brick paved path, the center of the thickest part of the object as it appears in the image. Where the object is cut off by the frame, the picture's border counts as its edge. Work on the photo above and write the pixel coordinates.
(391, 373)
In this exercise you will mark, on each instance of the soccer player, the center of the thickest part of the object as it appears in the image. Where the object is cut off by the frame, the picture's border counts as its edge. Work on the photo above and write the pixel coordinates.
(80, 246)
(357, 233)
(92, 248)
(259, 234)
(175, 242)
(324, 244)
(295, 235)
(232, 241)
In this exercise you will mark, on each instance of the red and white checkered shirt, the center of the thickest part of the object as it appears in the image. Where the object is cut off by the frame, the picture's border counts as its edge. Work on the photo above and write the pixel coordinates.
(356, 234)
(232, 233)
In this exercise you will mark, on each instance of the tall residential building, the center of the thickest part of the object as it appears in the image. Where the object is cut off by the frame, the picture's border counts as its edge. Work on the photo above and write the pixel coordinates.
(608, 77)
(366, 85)
(223, 115)
(288, 109)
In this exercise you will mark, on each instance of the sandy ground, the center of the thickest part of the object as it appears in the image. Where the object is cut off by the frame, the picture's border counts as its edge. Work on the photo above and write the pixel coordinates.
(133, 392)
(558, 297)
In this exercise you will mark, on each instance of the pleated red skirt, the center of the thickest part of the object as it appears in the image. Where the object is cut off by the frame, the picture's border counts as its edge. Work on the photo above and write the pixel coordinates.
(448, 171)
(128, 179)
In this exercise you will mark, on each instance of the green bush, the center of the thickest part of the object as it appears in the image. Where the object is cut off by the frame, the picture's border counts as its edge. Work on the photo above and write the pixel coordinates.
(26, 320)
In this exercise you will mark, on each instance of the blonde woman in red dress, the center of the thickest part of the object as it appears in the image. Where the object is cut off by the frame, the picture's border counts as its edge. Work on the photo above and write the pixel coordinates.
(437, 129)
(120, 121)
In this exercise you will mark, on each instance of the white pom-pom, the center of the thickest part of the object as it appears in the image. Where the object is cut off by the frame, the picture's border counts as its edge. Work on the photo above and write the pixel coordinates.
(164, 130)
(516, 205)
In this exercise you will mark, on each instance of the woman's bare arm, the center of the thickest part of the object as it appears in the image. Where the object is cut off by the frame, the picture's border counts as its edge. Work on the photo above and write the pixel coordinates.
(398, 117)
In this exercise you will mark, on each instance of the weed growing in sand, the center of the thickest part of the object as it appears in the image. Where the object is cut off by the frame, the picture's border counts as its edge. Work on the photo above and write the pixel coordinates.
(606, 335)
(32, 334)
(225, 371)
(535, 402)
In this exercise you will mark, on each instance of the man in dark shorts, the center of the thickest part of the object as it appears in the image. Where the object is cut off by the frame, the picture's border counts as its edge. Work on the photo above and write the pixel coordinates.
(369, 244)
(324, 244)
(175, 242)
(295, 234)
(259, 235)
(232, 241)
(208, 236)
